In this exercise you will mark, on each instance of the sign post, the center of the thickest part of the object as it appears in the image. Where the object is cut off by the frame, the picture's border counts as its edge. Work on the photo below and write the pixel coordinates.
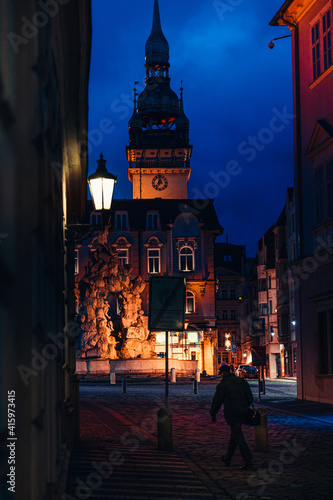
(167, 296)
(259, 359)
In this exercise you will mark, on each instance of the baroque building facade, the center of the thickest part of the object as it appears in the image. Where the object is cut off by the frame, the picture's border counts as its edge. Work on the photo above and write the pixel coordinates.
(160, 232)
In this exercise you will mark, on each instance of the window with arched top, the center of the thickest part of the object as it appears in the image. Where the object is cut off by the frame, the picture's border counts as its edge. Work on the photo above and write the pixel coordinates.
(190, 302)
(186, 258)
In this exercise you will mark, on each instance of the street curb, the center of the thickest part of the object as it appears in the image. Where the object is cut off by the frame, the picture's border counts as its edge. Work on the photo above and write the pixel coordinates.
(288, 412)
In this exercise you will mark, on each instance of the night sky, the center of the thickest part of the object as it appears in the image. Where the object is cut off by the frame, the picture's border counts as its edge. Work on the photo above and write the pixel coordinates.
(237, 96)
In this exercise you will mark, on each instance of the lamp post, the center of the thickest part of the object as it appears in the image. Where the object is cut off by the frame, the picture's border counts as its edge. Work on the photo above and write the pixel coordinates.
(185, 335)
(101, 185)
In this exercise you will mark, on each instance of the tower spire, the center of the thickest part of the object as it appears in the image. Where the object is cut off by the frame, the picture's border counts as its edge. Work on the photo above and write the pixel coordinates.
(156, 18)
(157, 47)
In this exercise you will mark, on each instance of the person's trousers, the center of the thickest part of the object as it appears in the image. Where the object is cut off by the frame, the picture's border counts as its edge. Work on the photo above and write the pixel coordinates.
(237, 439)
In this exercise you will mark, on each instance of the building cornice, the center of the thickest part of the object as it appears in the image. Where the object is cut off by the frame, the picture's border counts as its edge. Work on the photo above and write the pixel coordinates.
(292, 10)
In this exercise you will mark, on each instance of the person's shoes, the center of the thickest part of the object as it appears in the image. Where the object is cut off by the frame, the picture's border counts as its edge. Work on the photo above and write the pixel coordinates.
(247, 466)
(226, 461)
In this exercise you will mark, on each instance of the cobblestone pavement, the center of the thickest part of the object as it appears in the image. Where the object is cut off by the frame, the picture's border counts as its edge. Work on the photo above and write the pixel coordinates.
(297, 466)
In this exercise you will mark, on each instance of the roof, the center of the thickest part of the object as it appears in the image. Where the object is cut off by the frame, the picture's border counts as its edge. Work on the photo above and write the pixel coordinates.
(279, 15)
(282, 218)
(230, 257)
(168, 211)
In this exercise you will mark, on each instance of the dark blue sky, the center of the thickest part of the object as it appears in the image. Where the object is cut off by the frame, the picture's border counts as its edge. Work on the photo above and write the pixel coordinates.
(237, 95)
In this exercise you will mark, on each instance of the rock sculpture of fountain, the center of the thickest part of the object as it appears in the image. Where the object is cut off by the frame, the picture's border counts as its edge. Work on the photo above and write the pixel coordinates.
(106, 277)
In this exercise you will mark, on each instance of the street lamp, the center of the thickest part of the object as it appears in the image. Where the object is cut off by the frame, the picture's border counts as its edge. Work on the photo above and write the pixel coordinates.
(101, 185)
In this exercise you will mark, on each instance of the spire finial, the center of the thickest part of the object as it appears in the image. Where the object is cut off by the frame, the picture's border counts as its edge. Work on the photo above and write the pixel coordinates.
(156, 18)
(157, 47)
(135, 95)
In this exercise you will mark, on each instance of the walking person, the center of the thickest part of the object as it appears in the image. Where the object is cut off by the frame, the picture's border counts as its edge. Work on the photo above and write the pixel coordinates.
(236, 396)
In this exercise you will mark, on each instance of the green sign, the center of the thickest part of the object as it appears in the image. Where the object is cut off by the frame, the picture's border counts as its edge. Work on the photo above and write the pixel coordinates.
(167, 298)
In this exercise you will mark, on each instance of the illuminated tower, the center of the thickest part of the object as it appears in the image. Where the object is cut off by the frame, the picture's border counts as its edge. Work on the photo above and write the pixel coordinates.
(159, 151)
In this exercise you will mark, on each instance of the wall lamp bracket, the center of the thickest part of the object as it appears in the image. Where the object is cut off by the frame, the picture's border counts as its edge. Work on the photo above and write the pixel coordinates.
(271, 44)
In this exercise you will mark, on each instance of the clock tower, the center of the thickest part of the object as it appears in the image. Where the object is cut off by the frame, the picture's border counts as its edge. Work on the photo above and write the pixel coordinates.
(159, 152)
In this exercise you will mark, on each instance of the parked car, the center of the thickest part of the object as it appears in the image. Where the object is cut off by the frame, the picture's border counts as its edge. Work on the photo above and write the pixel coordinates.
(239, 369)
(249, 371)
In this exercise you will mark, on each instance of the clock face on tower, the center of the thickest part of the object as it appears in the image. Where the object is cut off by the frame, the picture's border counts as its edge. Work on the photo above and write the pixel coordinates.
(160, 182)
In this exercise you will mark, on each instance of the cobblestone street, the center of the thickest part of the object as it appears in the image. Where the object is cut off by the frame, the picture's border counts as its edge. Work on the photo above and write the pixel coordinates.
(119, 431)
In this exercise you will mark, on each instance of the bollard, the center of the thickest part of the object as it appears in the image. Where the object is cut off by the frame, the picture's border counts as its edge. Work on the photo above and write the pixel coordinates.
(260, 432)
(164, 429)
(124, 385)
(173, 375)
(112, 377)
(195, 386)
(197, 375)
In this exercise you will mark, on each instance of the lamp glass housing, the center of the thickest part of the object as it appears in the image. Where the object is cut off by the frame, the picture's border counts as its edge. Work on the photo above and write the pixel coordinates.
(101, 185)
(102, 192)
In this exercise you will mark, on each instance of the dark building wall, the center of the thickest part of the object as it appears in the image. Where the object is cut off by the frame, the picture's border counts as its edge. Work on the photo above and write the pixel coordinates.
(42, 115)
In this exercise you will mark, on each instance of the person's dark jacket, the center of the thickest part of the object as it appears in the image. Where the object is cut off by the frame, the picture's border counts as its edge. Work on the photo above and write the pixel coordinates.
(235, 395)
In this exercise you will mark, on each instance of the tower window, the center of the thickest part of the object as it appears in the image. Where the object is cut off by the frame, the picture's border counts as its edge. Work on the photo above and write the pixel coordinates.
(186, 259)
(153, 260)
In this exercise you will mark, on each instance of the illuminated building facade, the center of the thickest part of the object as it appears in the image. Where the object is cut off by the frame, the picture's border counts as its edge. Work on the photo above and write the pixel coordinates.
(310, 23)
(160, 232)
